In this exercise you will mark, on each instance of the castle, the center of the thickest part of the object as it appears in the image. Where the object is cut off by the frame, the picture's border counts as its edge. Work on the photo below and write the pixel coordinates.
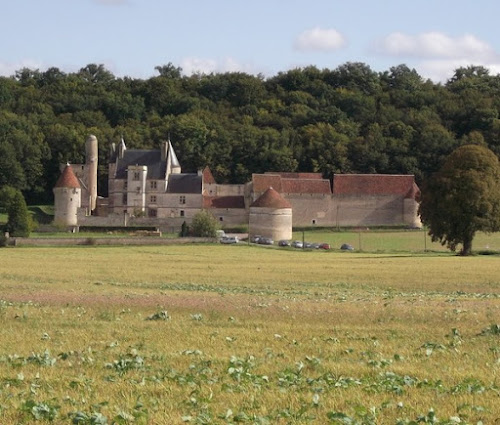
(148, 187)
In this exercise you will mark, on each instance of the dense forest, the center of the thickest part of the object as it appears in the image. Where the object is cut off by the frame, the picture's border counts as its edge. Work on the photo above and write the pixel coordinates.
(350, 119)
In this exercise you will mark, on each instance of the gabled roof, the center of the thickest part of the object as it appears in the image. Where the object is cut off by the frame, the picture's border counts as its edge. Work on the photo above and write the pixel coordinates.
(271, 199)
(68, 178)
(414, 192)
(296, 184)
(262, 182)
(224, 202)
(149, 158)
(208, 177)
(184, 183)
(287, 175)
(374, 184)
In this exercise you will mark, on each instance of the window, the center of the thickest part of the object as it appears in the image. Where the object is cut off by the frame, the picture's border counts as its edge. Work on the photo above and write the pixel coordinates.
(182, 199)
(313, 221)
(182, 213)
(153, 199)
(152, 212)
(125, 185)
(137, 175)
(221, 218)
(153, 184)
(124, 199)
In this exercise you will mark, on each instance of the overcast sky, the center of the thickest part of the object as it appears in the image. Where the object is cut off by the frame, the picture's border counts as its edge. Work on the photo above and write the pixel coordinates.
(131, 37)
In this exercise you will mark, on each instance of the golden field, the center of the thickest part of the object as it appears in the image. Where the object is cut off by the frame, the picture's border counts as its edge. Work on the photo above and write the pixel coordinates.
(253, 335)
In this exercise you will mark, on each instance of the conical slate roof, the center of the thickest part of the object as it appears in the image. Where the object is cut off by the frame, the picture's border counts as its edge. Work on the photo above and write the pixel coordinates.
(174, 162)
(68, 178)
(271, 199)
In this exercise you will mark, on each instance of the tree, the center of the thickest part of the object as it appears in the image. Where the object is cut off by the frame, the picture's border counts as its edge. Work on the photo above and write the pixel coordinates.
(463, 198)
(204, 225)
(19, 222)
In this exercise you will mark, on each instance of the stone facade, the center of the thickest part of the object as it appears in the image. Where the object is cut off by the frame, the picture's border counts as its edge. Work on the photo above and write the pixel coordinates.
(148, 186)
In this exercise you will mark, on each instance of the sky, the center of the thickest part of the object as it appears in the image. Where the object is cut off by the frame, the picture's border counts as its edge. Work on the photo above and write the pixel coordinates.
(131, 37)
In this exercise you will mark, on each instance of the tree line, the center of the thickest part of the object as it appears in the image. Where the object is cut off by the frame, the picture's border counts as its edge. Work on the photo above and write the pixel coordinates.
(347, 120)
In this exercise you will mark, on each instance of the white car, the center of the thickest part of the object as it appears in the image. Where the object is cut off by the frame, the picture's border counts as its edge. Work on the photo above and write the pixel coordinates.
(229, 239)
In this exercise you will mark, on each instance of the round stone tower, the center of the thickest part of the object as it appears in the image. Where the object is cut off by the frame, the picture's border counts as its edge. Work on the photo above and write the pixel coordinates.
(91, 157)
(271, 216)
(67, 198)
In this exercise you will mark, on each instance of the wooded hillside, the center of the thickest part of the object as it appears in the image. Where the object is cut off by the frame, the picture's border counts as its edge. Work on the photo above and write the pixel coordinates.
(350, 119)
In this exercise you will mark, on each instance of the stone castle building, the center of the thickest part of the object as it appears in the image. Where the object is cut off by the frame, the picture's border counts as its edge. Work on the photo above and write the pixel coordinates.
(148, 187)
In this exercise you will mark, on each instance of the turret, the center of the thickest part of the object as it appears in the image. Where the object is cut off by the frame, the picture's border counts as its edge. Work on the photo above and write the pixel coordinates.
(91, 158)
(67, 198)
(172, 161)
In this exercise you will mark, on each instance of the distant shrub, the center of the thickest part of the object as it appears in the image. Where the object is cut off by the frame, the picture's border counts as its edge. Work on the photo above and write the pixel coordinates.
(204, 225)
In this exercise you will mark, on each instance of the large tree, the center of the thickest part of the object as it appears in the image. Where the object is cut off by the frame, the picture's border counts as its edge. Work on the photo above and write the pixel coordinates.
(463, 197)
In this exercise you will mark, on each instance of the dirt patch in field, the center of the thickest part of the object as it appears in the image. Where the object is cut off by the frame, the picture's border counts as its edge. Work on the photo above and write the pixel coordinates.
(198, 302)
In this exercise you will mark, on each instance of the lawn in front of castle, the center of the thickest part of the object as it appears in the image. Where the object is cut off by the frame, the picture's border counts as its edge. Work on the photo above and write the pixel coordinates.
(203, 334)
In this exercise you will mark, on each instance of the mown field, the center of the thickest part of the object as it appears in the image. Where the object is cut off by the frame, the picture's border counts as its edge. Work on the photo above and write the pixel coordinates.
(211, 334)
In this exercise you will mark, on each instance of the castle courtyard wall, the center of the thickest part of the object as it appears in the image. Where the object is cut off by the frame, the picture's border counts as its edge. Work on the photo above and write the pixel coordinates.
(352, 211)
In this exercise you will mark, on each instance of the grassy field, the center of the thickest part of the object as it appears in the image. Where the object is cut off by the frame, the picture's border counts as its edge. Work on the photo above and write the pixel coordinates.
(381, 240)
(246, 334)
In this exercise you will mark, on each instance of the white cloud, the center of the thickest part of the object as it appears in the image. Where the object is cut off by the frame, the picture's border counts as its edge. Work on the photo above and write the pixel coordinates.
(442, 70)
(193, 65)
(8, 69)
(439, 54)
(436, 45)
(320, 39)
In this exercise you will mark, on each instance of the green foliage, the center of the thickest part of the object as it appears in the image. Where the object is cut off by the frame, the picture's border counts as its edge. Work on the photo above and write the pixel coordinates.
(19, 222)
(463, 198)
(204, 225)
(348, 119)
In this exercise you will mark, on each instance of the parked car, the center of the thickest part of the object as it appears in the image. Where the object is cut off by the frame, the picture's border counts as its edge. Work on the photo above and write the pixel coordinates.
(284, 242)
(297, 244)
(265, 241)
(255, 238)
(308, 245)
(229, 239)
(346, 247)
(315, 245)
(324, 246)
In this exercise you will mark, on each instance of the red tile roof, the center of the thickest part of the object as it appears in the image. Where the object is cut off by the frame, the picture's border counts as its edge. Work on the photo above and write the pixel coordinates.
(305, 186)
(298, 175)
(374, 184)
(271, 199)
(223, 202)
(68, 179)
(262, 182)
(208, 177)
(414, 192)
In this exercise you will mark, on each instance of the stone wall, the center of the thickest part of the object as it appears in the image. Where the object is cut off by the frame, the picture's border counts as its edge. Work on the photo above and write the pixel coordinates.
(106, 241)
(352, 211)
(311, 209)
(228, 217)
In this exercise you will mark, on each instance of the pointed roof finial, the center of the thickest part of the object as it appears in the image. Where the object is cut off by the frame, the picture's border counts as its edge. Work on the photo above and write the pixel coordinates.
(172, 157)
